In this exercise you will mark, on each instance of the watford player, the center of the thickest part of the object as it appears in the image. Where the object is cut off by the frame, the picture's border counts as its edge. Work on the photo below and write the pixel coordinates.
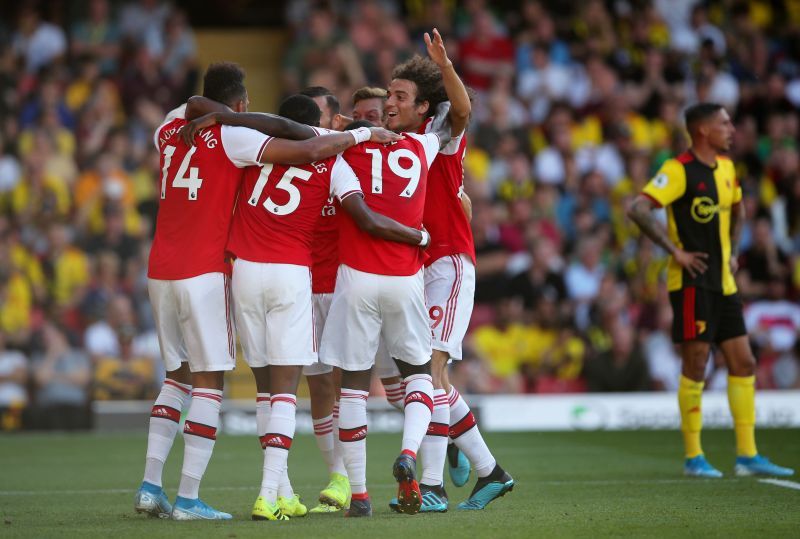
(704, 220)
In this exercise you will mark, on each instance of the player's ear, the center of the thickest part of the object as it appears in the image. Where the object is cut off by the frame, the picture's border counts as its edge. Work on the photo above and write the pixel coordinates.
(422, 108)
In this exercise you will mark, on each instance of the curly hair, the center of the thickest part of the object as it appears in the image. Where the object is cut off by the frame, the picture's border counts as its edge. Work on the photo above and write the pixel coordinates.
(426, 75)
(224, 82)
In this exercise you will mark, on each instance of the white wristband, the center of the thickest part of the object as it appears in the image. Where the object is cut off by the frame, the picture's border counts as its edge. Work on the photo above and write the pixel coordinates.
(362, 134)
(426, 238)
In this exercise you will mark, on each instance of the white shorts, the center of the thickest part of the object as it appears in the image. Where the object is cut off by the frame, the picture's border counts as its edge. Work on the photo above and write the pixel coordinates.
(194, 322)
(450, 294)
(367, 307)
(322, 304)
(274, 314)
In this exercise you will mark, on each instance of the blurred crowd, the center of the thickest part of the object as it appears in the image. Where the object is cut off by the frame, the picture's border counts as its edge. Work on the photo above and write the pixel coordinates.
(578, 103)
(82, 88)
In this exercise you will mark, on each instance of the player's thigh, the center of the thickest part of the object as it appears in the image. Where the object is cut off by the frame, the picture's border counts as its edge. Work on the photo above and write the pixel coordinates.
(405, 328)
(322, 305)
(450, 295)
(732, 337)
(208, 322)
(730, 313)
(290, 316)
(250, 310)
(352, 330)
(385, 367)
(166, 315)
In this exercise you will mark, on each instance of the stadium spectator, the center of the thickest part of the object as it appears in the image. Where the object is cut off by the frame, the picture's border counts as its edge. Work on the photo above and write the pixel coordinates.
(620, 368)
(36, 42)
(97, 35)
(62, 377)
(13, 386)
(762, 262)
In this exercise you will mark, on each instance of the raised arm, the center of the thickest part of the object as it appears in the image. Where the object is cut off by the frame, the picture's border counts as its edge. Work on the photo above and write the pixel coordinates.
(269, 124)
(641, 213)
(380, 226)
(456, 91)
(293, 152)
(440, 124)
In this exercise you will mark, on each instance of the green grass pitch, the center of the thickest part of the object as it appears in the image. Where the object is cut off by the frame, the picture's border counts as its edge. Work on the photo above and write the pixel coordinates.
(582, 484)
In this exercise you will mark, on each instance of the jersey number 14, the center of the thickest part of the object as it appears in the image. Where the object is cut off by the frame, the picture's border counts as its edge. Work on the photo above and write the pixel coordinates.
(192, 182)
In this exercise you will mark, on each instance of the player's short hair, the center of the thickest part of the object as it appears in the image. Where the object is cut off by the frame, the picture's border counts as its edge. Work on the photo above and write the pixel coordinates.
(426, 75)
(369, 92)
(699, 113)
(358, 123)
(321, 91)
(301, 109)
(224, 83)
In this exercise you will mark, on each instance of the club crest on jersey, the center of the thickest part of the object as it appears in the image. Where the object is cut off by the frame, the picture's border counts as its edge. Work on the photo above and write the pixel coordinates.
(701, 326)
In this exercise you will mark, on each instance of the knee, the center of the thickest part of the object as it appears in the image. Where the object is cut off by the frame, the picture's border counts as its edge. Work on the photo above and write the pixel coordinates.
(406, 369)
(744, 367)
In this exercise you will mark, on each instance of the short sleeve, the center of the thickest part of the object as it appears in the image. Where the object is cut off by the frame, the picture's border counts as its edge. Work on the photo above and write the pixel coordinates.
(451, 148)
(737, 188)
(174, 114)
(343, 180)
(244, 146)
(430, 141)
(668, 185)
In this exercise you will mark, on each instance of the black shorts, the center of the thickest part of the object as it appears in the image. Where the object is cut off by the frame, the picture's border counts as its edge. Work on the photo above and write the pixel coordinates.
(704, 315)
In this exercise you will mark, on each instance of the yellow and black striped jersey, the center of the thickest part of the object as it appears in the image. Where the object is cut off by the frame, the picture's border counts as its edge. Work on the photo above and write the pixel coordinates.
(698, 200)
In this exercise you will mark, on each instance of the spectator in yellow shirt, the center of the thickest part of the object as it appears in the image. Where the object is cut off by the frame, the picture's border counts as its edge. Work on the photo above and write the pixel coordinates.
(69, 268)
(39, 196)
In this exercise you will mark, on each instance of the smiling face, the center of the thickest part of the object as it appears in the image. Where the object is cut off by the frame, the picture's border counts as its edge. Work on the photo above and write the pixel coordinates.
(371, 110)
(402, 112)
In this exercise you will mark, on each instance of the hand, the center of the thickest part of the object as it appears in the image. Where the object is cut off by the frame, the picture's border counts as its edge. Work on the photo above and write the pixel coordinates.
(382, 136)
(191, 129)
(436, 49)
(734, 265)
(694, 263)
(427, 237)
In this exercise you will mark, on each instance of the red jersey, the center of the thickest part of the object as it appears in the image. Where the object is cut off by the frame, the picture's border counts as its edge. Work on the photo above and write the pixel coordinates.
(279, 207)
(198, 191)
(325, 250)
(325, 245)
(444, 217)
(394, 179)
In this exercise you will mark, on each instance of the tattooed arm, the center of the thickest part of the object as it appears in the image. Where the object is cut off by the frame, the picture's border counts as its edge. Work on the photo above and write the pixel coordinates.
(641, 213)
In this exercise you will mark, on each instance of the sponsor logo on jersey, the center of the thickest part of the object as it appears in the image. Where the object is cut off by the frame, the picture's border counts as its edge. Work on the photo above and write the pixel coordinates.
(704, 209)
(661, 180)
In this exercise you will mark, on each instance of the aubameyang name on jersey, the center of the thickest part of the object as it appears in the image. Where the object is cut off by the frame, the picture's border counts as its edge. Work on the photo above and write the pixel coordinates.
(206, 135)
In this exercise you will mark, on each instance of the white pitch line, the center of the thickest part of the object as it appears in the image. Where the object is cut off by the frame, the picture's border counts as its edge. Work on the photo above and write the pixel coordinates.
(781, 483)
(555, 483)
